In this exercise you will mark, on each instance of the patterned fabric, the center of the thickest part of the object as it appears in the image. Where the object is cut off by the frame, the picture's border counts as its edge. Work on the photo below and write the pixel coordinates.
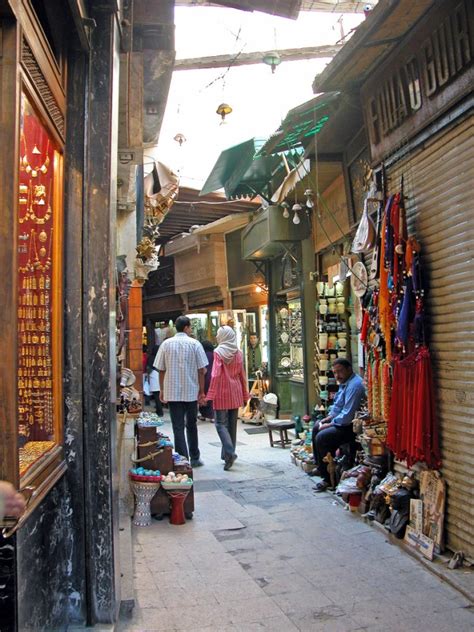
(181, 357)
(228, 387)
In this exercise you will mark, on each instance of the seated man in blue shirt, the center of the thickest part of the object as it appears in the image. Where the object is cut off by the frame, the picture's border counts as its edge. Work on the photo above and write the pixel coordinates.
(336, 429)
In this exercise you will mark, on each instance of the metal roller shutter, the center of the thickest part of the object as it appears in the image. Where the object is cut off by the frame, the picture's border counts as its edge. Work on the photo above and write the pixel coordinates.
(438, 184)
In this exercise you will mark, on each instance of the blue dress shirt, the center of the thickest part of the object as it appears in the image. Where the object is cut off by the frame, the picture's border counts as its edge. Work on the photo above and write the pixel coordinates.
(347, 401)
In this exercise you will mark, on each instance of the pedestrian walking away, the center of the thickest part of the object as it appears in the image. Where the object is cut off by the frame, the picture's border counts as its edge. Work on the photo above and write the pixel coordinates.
(181, 362)
(154, 380)
(227, 391)
(206, 411)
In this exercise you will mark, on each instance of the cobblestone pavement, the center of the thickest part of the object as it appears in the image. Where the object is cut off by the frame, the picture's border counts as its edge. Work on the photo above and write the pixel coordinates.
(265, 553)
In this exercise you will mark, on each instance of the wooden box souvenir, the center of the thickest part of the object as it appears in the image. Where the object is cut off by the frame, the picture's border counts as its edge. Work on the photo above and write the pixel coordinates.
(162, 461)
(160, 505)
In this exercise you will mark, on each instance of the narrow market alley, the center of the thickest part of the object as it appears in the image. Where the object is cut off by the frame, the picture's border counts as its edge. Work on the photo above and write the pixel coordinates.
(263, 552)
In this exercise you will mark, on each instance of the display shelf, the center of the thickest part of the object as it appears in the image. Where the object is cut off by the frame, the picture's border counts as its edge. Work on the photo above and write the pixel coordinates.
(333, 338)
(282, 329)
(39, 300)
(295, 339)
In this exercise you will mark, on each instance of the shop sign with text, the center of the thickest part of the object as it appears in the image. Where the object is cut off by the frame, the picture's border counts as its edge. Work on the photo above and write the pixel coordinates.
(424, 76)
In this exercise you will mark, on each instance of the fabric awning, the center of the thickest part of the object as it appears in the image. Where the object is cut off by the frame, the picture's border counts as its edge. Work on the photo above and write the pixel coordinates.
(302, 123)
(242, 172)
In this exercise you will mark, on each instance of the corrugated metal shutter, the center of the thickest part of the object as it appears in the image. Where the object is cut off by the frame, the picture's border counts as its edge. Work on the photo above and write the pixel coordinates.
(439, 187)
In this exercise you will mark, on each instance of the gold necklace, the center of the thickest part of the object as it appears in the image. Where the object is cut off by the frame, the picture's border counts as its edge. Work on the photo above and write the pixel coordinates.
(37, 263)
(25, 164)
(40, 193)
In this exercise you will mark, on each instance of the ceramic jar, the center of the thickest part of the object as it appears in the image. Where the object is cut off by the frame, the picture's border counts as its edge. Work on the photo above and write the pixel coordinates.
(323, 307)
(323, 380)
(332, 341)
(342, 341)
(320, 288)
(341, 306)
(329, 291)
(323, 341)
(342, 354)
(323, 364)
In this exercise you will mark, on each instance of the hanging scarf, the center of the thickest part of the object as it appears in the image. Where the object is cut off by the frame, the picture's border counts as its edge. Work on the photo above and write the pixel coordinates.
(384, 294)
(227, 343)
(412, 425)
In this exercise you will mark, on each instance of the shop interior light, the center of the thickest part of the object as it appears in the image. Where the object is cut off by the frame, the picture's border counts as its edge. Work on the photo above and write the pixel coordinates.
(272, 59)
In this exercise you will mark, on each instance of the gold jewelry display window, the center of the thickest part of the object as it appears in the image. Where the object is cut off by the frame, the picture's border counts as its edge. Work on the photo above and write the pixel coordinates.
(39, 259)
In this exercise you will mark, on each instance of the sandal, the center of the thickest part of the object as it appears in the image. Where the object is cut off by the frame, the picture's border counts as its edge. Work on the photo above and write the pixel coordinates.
(322, 486)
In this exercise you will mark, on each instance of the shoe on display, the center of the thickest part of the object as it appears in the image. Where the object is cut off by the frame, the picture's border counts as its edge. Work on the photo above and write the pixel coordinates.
(230, 462)
(197, 463)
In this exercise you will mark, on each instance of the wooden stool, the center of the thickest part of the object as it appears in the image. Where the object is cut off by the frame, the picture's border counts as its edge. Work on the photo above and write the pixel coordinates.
(282, 427)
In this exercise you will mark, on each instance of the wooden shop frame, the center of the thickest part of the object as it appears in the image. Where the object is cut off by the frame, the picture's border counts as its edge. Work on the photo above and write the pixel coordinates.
(28, 66)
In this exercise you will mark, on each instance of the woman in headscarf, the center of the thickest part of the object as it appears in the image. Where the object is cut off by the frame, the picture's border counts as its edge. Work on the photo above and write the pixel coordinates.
(207, 412)
(227, 391)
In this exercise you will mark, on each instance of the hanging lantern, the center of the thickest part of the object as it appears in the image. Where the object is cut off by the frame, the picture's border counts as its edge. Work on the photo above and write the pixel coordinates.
(296, 208)
(223, 110)
(285, 206)
(180, 138)
(272, 59)
(309, 198)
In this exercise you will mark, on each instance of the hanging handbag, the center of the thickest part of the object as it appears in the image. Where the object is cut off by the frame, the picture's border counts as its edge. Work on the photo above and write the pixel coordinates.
(365, 236)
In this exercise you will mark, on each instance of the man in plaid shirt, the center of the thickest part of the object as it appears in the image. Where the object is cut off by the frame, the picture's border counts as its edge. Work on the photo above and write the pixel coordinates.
(182, 362)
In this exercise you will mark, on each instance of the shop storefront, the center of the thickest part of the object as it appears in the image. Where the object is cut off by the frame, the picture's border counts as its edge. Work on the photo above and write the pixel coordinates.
(286, 249)
(57, 260)
(418, 109)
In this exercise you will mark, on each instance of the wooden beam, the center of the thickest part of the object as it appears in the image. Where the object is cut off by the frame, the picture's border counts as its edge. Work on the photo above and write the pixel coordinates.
(245, 59)
(331, 6)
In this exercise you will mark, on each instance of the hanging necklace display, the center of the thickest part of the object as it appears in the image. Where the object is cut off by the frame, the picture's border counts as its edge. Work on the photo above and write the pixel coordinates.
(28, 267)
(24, 200)
(38, 201)
(42, 267)
(25, 164)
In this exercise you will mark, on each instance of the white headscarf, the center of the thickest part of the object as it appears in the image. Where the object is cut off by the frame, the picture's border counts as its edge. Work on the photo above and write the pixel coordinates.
(227, 343)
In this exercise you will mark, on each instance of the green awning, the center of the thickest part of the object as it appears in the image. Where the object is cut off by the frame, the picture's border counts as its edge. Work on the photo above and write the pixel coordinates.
(242, 172)
(301, 124)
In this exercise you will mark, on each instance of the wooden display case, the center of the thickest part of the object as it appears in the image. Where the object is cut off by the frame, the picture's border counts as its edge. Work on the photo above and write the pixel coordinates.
(31, 196)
